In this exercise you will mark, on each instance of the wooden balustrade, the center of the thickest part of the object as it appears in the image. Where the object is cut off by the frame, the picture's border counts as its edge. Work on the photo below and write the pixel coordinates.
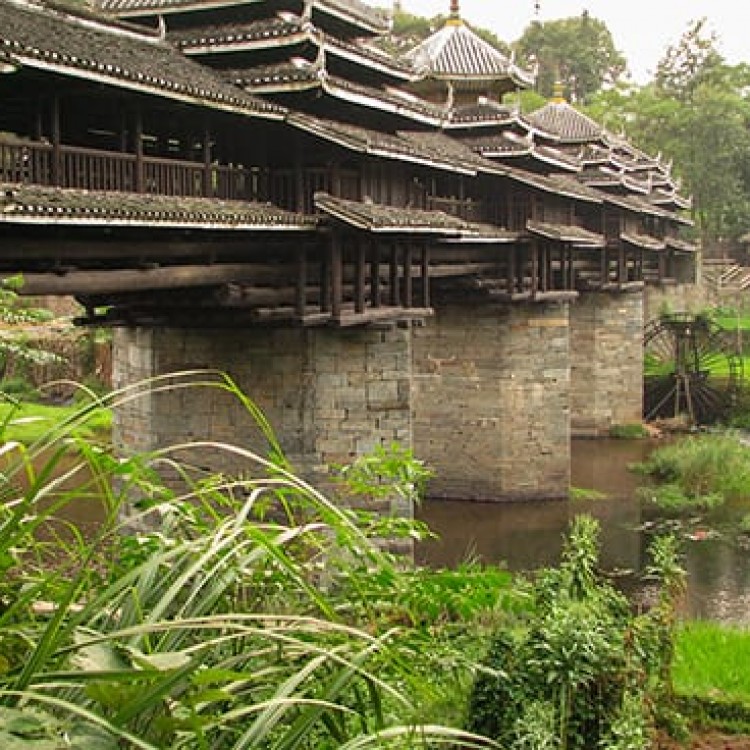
(31, 162)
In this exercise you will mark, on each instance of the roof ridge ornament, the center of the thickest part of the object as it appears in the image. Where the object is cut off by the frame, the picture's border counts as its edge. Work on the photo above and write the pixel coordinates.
(558, 93)
(454, 18)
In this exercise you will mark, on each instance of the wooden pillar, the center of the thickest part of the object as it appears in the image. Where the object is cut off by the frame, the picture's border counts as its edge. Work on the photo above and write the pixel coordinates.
(56, 138)
(140, 181)
(534, 252)
(604, 267)
(375, 274)
(300, 303)
(395, 300)
(207, 186)
(337, 275)
(360, 276)
(408, 295)
(512, 270)
(325, 281)
(621, 265)
(426, 275)
(299, 177)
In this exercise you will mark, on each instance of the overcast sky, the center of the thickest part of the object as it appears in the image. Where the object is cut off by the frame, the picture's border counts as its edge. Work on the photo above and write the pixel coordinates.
(642, 29)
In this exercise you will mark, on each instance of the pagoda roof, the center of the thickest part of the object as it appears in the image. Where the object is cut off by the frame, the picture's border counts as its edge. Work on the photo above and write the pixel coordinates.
(95, 49)
(284, 31)
(368, 19)
(559, 121)
(675, 243)
(300, 75)
(380, 144)
(457, 54)
(32, 204)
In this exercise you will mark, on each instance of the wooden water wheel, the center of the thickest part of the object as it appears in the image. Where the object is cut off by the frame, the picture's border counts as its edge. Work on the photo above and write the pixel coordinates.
(691, 370)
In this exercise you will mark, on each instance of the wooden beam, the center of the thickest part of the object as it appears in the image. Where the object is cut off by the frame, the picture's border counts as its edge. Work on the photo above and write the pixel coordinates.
(301, 289)
(375, 275)
(407, 296)
(395, 300)
(130, 279)
(425, 273)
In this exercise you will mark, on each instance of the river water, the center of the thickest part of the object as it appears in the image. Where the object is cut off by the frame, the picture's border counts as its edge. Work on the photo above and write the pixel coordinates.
(529, 535)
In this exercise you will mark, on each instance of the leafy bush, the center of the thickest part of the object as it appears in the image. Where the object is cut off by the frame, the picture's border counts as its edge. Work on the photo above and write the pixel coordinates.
(592, 671)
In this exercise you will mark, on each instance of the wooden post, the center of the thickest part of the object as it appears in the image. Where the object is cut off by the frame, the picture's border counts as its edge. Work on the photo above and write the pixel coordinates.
(56, 137)
(325, 281)
(534, 252)
(360, 277)
(512, 258)
(300, 303)
(393, 268)
(337, 275)
(299, 177)
(426, 275)
(207, 186)
(407, 295)
(140, 181)
(375, 274)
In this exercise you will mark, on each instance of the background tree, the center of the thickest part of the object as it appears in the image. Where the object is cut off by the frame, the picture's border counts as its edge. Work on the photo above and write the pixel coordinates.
(579, 51)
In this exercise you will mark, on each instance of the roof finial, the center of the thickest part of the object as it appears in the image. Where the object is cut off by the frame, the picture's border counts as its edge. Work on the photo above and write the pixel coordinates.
(558, 94)
(455, 14)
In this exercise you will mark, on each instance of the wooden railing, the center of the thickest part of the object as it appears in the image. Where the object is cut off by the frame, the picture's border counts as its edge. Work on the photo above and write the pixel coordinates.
(38, 163)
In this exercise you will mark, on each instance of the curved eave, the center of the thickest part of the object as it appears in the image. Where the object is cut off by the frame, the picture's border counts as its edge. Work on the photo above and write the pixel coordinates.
(681, 246)
(571, 235)
(52, 217)
(144, 10)
(155, 87)
(643, 241)
(209, 46)
(355, 214)
(363, 146)
(368, 100)
(370, 62)
(367, 22)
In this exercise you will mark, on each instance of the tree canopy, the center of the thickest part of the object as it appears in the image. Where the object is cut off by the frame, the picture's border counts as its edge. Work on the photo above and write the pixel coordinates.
(577, 51)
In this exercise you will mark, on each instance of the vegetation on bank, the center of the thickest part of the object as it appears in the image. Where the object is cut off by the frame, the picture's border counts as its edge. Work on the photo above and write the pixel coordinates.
(698, 471)
(256, 612)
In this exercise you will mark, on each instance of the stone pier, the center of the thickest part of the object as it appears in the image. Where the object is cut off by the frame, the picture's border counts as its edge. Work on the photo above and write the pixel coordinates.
(330, 395)
(491, 401)
(606, 361)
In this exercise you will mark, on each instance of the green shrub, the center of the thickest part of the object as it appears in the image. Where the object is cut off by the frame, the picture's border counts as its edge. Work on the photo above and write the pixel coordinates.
(594, 673)
(633, 431)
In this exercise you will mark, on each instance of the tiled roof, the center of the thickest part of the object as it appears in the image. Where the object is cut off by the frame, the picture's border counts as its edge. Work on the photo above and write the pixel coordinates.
(456, 53)
(278, 32)
(373, 20)
(643, 241)
(239, 35)
(681, 245)
(483, 112)
(566, 233)
(451, 149)
(272, 79)
(33, 204)
(83, 47)
(374, 217)
(562, 122)
(378, 143)
(499, 144)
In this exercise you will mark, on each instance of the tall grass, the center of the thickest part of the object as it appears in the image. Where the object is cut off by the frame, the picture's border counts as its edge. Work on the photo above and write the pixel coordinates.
(701, 470)
(209, 628)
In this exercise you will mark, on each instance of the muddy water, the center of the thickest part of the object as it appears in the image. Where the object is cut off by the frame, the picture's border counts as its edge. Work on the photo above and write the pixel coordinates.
(525, 536)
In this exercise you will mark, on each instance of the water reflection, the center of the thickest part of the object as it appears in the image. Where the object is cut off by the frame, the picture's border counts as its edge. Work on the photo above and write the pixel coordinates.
(525, 536)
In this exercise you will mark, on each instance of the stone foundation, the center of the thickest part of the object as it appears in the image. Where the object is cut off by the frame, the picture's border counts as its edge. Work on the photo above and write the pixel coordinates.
(329, 396)
(606, 348)
(490, 401)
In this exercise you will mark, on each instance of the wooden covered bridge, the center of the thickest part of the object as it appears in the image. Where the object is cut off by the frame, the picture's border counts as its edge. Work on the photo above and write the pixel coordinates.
(376, 248)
